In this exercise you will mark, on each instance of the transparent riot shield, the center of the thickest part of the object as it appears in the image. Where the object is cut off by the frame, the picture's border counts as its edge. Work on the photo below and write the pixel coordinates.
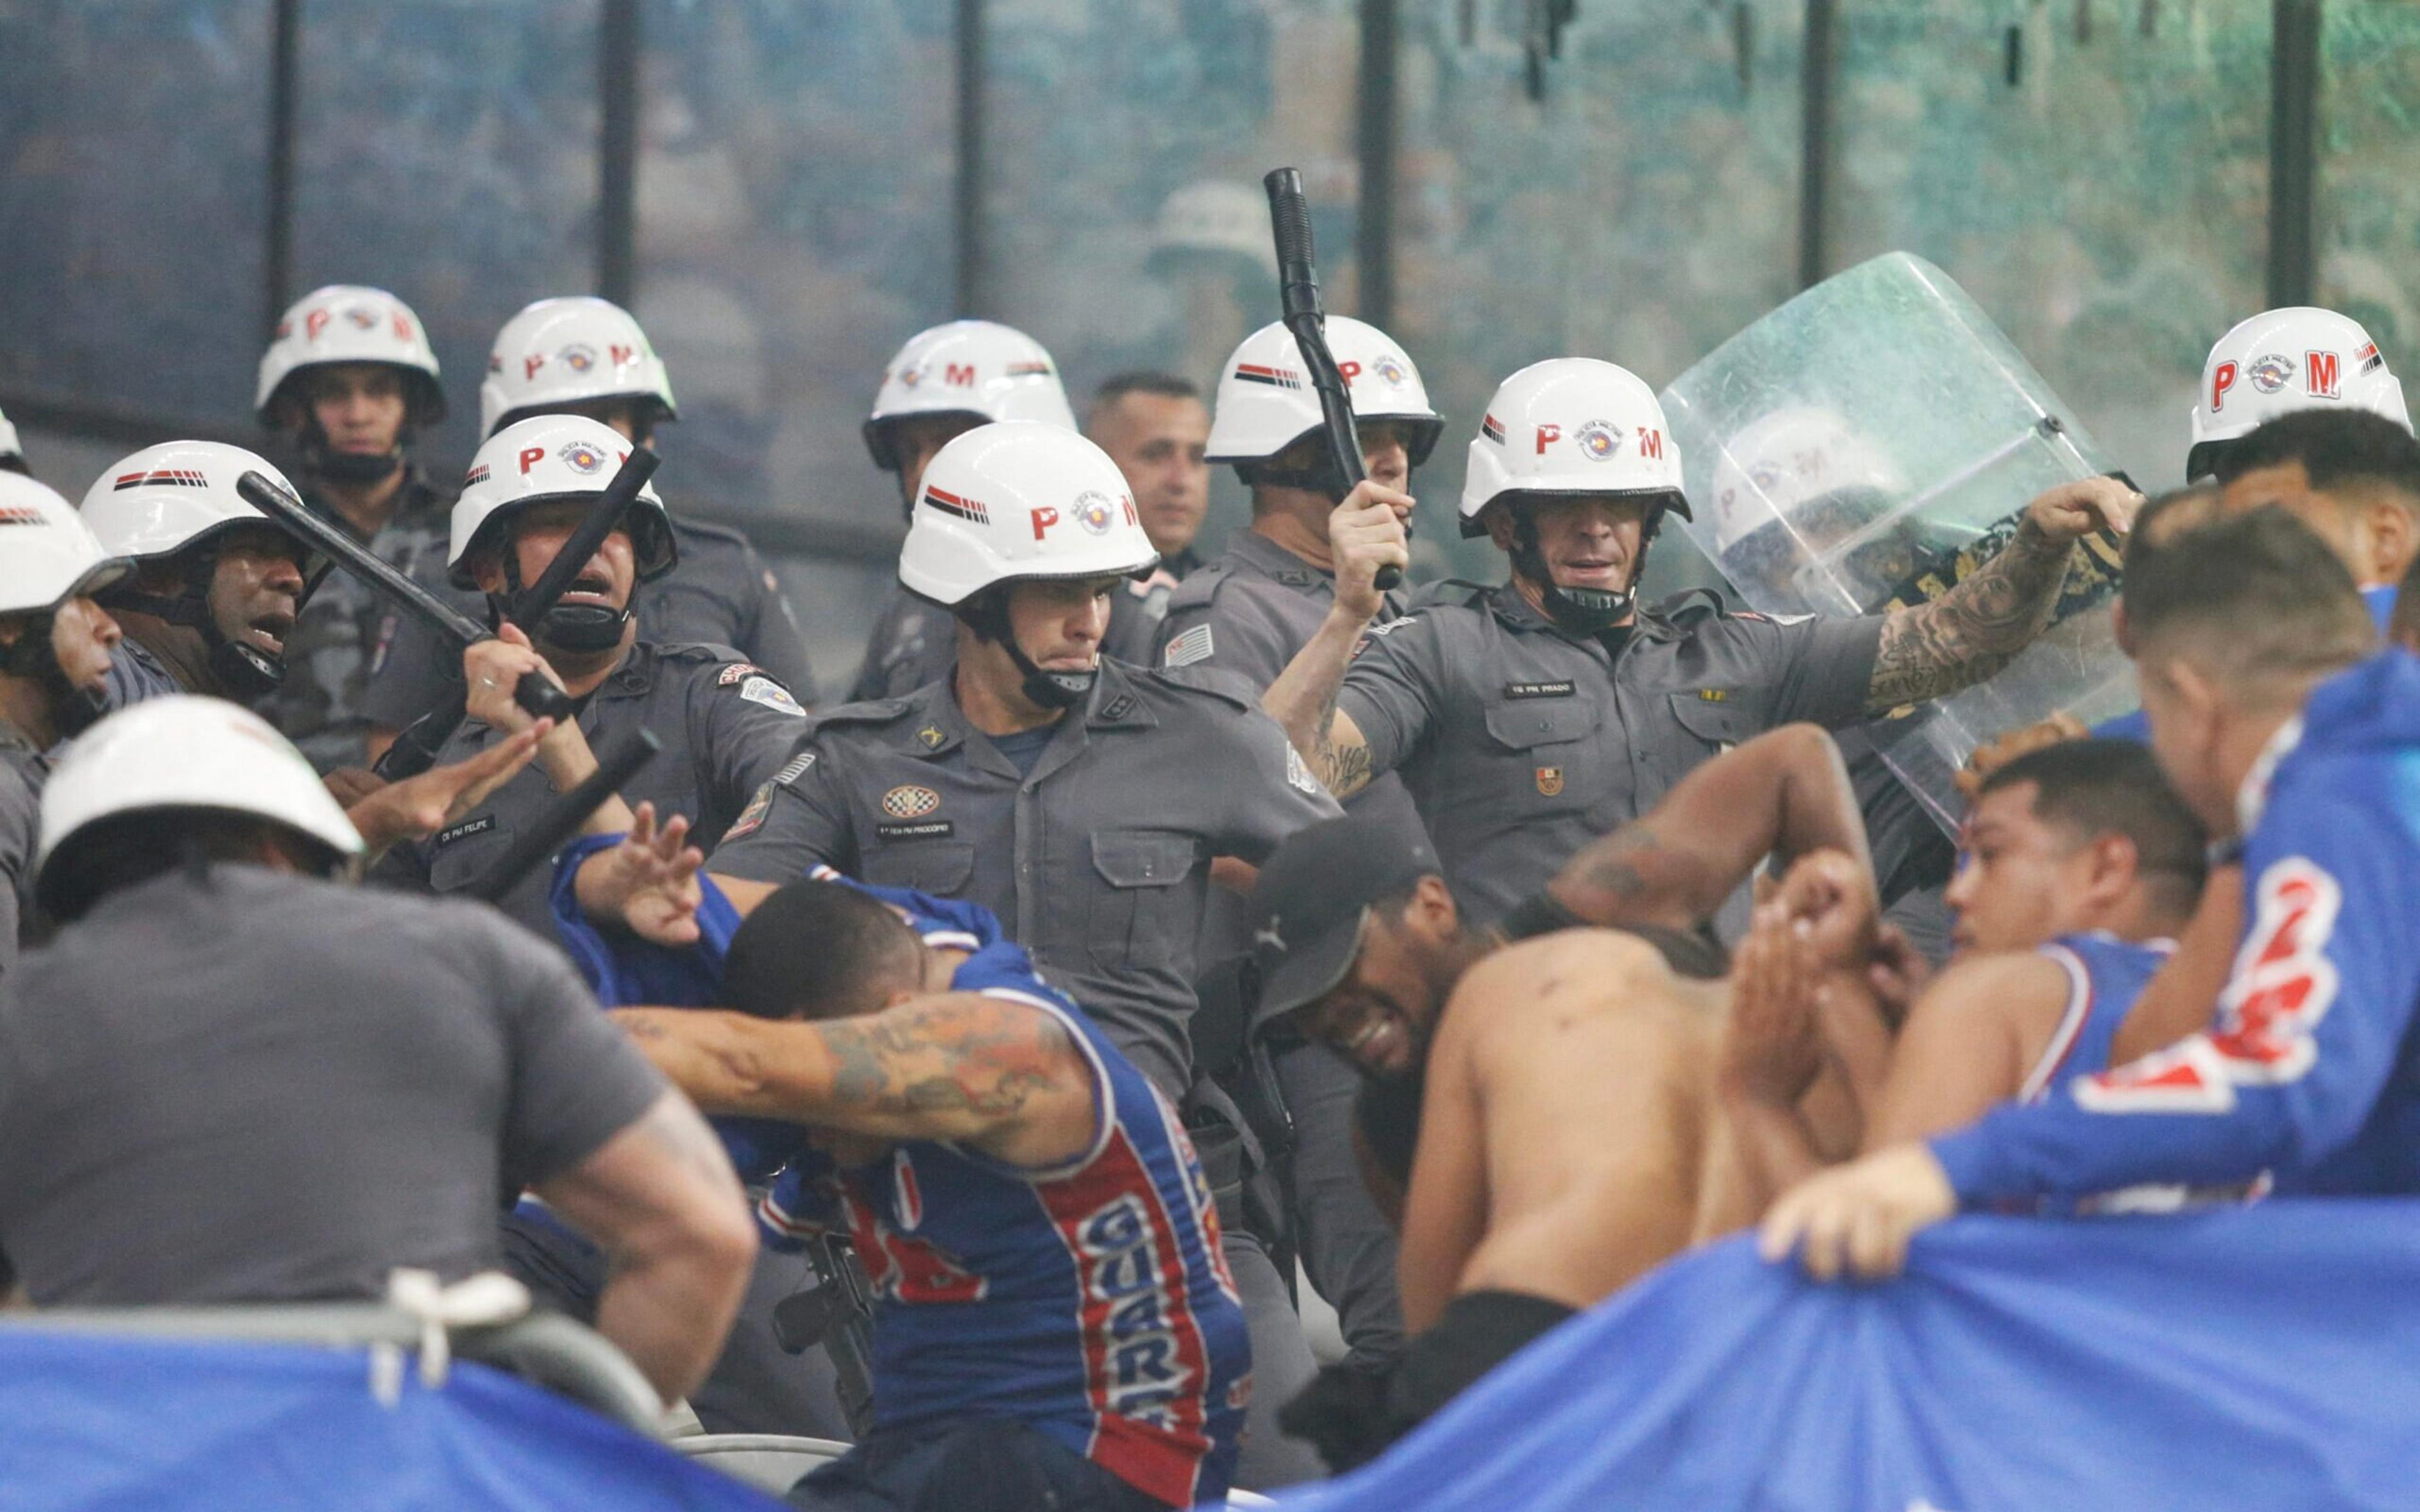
(1866, 446)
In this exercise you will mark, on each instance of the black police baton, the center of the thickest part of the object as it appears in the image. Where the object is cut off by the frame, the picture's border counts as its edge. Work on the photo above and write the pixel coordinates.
(541, 698)
(1300, 312)
(561, 822)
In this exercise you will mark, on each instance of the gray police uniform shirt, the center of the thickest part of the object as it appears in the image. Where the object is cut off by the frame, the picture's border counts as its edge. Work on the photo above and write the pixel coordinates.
(256, 1086)
(1520, 742)
(135, 674)
(22, 772)
(1252, 612)
(913, 643)
(1139, 606)
(720, 593)
(1097, 863)
(346, 632)
(726, 726)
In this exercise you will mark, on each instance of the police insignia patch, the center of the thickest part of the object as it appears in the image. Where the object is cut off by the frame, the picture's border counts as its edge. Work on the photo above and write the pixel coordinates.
(734, 672)
(1299, 775)
(797, 769)
(1550, 781)
(910, 801)
(932, 737)
(770, 694)
(753, 817)
(1192, 646)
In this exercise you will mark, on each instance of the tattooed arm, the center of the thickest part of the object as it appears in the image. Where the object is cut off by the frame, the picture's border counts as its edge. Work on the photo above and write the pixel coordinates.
(1365, 533)
(1784, 794)
(1001, 1076)
(1978, 626)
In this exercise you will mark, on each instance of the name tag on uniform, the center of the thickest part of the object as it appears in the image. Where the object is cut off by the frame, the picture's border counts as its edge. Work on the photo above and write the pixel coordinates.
(931, 829)
(1539, 690)
(466, 829)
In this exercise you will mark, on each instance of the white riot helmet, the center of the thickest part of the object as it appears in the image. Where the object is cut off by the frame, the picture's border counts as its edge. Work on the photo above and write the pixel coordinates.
(347, 323)
(1572, 425)
(12, 454)
(579, 349)
(1792, 485)
(537, 461)
(1013, 501)
(2298, 358)
(1213, 220)
(974, 368)
(48, 555)
(180, 753)
(177, 499)
(1265, 402)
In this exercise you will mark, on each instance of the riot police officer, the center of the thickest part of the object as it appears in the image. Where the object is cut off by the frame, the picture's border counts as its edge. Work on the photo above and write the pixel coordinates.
(1528, 717)
(1250, 612)
(944, 382)
(1156, 429)
(348, 379)
(726, 725)
(586, 356)
(217, 587)
(54, 657)
(1080, 799)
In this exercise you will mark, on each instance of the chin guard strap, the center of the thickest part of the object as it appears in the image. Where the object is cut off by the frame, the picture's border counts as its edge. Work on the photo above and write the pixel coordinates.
(73, 710)
(1580, 610)
(986, 615)
(581, 628)
(242, 672)
(351, 467)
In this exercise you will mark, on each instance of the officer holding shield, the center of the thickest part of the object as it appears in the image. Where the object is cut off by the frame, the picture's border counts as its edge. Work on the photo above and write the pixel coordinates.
(1529, 717)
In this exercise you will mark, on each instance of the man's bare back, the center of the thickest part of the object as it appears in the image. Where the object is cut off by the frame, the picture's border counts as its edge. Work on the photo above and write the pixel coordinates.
(1572, 1138)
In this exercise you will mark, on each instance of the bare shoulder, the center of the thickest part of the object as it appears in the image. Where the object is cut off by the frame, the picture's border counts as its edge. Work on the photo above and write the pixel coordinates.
(2005, 979)
(1550, 974)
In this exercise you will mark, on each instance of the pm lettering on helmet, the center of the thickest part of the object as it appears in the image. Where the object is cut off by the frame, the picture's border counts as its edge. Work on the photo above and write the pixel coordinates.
(621, 356)
(530, 365)
(2321, 374)
(959, 374)
(2220, 381)
(1043, 521)
(531, 457)
(1548, 433)
(1651, 444)
(315, 323)
(1348, 371)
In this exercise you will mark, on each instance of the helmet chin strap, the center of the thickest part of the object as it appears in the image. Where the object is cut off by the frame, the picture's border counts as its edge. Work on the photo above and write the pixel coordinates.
(578, 628)
(1580, 610)
(351, 467)
(987, 616)
(242, 672)
(73, 710)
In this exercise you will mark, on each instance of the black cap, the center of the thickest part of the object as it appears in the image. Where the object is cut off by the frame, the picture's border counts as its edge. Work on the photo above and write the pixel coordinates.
(1312, 901)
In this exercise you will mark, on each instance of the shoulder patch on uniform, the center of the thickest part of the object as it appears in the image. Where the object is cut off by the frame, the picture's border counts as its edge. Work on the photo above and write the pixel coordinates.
(1298, 773)
(763, 689)
(734, 672)
(799, 767)
(1191, 646)
(753, 817)
(1216, 682)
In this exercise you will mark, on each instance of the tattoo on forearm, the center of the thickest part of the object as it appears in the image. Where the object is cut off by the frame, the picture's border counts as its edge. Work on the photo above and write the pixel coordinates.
(1973, 630)
(1345, 769)
(944, 1058)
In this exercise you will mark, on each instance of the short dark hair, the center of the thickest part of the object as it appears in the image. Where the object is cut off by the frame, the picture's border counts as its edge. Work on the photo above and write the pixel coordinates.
(2257, 598)
(128, 849)
(2114, 787)
(1143, 381)
(2336, 447)
(2163, 519)
(820, 950)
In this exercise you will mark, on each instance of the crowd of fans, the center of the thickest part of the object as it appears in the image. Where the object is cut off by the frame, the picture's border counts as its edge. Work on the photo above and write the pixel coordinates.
(1149, 935)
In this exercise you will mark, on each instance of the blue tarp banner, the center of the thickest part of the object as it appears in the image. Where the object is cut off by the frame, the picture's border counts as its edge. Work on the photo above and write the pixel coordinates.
(2262, 1357)
(89, 1422)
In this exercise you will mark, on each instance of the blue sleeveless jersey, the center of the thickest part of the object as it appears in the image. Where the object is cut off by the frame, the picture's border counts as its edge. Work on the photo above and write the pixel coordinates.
(1090, 1301)
(2104, 976)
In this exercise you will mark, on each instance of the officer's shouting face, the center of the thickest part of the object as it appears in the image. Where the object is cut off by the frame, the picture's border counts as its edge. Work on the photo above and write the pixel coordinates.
(256, 586)
(360, 407)
(539, 533)
(1585, 540)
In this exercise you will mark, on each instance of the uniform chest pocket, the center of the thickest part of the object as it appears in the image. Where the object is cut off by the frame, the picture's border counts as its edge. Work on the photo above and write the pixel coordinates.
(1525, 723)
(1141, 913)
(939, 867)
(1717, 723)
(462, 852)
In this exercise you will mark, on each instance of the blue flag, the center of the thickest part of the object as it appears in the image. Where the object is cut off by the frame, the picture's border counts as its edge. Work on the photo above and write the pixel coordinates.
(2247, 1357)
(91, 1422)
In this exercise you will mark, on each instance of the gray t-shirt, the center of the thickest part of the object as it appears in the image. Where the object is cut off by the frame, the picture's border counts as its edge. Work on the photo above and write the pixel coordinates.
(256, 1086)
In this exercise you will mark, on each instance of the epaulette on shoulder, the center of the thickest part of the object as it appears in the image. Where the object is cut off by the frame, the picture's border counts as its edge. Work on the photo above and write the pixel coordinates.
(1690, 604)
(873, 711)
(1200, 587)
(698, 651)
(690, 524)
(1219, 683)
